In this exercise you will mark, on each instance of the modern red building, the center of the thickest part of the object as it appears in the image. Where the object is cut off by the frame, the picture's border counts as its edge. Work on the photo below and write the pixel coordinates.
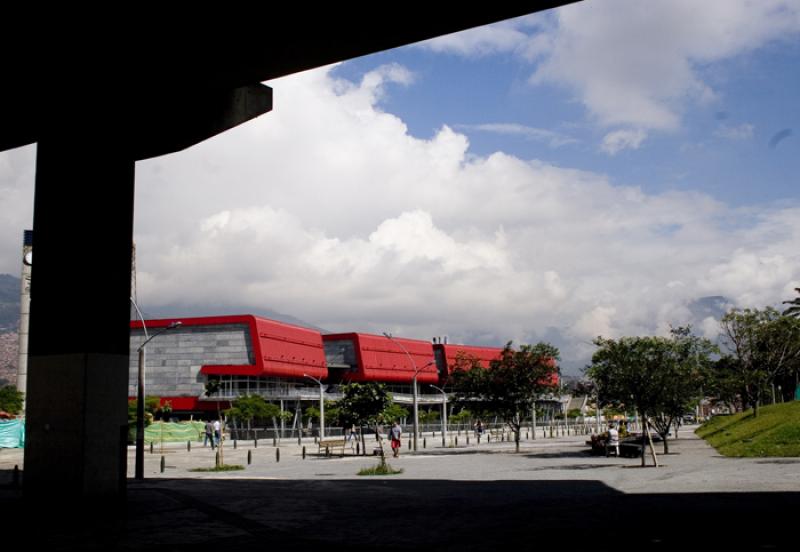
(248, 355)
(364, 357)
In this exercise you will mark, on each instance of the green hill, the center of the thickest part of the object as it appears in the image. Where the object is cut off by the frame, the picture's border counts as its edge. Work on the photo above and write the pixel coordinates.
(776, 432)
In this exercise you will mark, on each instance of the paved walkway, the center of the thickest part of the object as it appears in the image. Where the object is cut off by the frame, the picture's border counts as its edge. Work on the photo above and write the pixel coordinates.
(477, 498)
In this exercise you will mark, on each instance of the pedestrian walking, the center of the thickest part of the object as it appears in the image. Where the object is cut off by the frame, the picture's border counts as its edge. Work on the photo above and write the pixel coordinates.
(209, 435)
(394, 434)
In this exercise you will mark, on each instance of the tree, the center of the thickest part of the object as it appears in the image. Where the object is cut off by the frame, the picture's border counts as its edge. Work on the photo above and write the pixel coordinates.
(365, 404)
(794, 310)
(658, 376)
(762, 345)
(681, 379)
(251, 407)
(11, 400)
(510, 386)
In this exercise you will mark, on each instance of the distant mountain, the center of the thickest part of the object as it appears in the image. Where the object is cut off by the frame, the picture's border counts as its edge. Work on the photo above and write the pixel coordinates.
(9, 303)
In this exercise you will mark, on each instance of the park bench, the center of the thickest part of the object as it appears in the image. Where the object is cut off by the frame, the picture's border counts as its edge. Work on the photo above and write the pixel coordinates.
(328, 445)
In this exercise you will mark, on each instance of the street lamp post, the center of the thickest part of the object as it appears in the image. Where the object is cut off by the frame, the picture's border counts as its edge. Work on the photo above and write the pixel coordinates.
(321, 405)
(444, 413)
(413, 386)
(139, 468)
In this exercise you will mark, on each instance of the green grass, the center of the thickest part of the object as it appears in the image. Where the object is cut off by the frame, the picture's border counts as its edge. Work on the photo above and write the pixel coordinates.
(223, 468)
(380, 469)
(775, 433)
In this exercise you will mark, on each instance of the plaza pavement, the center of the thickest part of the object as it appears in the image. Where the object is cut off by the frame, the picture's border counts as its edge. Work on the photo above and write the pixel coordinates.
(480, 497)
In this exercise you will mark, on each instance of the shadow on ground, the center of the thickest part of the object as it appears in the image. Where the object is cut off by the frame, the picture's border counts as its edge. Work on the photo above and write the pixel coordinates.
(365, 514)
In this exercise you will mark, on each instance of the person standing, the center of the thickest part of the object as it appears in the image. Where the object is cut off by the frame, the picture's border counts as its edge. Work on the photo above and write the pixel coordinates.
(217, 434)
(395, 433)
(209, 436)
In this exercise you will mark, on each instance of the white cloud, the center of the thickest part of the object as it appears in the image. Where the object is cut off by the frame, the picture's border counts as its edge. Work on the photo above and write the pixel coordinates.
(502, 37)
(642, 68)
(554, 139)
(327, 209)
(616, 141)
(741, 132)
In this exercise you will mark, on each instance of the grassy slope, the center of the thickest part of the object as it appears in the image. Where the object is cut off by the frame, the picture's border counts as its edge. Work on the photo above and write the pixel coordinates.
(776, 432)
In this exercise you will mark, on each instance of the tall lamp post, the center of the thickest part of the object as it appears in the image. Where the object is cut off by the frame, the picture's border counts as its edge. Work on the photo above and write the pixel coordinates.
(139, 469)
(444, 413)
(413, 385)
(321, 405)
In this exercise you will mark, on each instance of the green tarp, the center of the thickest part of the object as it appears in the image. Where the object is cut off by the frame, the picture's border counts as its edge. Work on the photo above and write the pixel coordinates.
(174, 432)
(12, 434)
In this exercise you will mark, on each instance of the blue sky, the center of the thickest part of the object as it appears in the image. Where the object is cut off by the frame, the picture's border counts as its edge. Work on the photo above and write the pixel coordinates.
(596, 170)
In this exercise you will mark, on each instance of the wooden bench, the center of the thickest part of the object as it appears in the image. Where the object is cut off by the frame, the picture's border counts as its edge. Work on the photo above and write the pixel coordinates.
(328, 445)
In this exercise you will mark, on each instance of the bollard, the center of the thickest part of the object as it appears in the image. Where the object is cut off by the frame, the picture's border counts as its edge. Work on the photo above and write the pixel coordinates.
(299, 439)
(467, 439)
(424, 442)
(249, 457)
(188, 446)
(277, 455)
(151, 447)
(163, 464)
(409, 444)
(255, 443)
(234, 444)
(327, 451)
(274, 441)
(304, 453)
(456, 440)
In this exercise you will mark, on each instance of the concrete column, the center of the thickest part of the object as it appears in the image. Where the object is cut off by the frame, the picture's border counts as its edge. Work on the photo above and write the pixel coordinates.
(79, 322)
(24, 313)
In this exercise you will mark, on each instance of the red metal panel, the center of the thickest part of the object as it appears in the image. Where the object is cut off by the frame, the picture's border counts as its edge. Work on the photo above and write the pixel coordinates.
(290, 351)
(280, 350)
(382, 359)
(484, 354)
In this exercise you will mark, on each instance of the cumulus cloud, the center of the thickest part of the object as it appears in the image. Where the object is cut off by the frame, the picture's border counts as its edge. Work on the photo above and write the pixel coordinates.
(640, 70)
(616, 141)
(328, 210)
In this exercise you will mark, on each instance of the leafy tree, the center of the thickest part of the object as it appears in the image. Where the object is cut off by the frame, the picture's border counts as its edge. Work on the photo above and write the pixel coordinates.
(657, 376)
(762, 345)
(511, 384)
(794, 310)
(11, 400)
(252, 407)
(682, 379)
(365, 404)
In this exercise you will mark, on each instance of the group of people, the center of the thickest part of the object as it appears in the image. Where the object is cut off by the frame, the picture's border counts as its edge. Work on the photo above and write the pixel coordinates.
(212, 434)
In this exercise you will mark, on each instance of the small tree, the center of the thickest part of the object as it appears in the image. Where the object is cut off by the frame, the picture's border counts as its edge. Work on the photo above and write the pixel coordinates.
(511, 384)
(11, 400)
(365, 404)
(251, 407)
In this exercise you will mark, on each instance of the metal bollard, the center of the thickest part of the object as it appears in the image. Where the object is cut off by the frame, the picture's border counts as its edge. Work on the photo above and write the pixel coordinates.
(163, 464)
(467, 439)
(277, 455)
(456, 440)
(274, 441)
(424, 442)
(255, 443)
(234, 444)
(188, 446)
(249, 457)
(304, 453)
(151, 447)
